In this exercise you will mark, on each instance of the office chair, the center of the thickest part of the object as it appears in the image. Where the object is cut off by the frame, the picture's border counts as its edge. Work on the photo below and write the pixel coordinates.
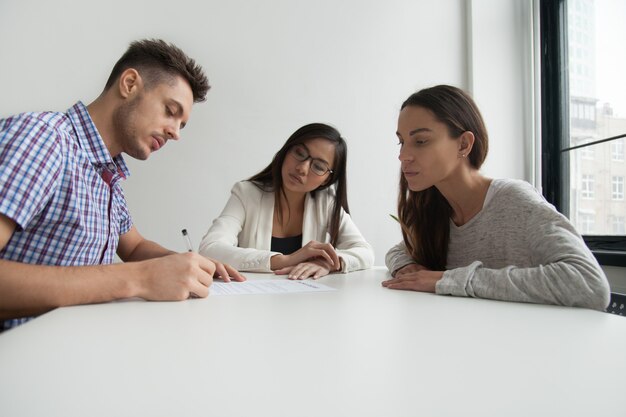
(617, 304)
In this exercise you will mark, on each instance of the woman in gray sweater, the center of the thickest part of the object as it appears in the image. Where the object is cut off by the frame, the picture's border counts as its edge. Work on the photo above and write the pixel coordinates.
(468, 235)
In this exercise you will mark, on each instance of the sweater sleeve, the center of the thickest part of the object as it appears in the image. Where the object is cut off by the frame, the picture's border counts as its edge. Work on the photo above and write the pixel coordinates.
(352, 248)
(561, 268)
(221, 240)
(397, 257)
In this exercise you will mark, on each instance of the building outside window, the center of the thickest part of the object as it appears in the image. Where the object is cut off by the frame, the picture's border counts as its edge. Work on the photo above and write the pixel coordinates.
(597, 110)
(584, 102)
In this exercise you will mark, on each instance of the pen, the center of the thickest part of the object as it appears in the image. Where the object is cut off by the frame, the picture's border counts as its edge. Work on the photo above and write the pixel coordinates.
(187, 240)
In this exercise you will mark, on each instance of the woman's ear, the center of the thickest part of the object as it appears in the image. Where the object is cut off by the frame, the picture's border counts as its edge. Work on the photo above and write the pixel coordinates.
(325, 183)
(466, 143)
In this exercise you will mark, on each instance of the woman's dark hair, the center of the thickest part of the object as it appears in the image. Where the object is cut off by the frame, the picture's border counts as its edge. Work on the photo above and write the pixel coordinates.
(270, 179)
(425, 215)
(158, 61)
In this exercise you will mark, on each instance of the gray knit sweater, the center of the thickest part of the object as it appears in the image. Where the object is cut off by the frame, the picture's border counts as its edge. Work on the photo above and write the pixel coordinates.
(518, 248)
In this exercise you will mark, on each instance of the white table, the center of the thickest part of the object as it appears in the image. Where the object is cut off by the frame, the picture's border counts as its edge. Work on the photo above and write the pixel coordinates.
(360, 351)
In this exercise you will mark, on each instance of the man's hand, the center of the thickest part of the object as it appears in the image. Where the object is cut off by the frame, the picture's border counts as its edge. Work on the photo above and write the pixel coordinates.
(176, 277)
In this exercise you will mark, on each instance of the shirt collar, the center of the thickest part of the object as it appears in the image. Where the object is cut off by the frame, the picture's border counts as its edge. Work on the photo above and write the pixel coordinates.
(92, 143)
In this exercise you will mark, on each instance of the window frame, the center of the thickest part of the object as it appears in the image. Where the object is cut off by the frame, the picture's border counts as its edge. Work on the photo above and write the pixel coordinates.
(555, 119)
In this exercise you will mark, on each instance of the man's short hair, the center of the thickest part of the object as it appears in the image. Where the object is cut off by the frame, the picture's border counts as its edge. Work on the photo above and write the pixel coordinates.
(158, 61)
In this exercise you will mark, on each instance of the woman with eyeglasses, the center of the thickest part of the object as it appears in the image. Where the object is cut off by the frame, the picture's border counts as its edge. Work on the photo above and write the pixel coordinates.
(292, 218)
(469, 235)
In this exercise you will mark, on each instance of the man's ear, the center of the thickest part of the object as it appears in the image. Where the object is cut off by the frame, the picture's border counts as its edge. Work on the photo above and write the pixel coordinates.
(130, 83)
(466, 143)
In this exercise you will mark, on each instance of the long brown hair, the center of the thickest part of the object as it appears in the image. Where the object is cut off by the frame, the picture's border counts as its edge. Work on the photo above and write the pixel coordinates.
(425, 215)
(270, 179)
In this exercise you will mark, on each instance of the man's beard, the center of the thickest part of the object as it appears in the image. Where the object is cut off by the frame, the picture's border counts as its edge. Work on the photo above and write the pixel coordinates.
(124, 128)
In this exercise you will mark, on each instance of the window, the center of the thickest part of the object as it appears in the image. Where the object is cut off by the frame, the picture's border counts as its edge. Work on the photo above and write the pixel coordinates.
(617, 185)
(588, 152)
(586, 189)
(586, 222)
(617, 150)
(584, 118)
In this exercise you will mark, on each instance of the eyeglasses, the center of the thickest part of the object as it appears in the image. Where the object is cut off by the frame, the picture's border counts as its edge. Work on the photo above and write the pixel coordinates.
(318, 166)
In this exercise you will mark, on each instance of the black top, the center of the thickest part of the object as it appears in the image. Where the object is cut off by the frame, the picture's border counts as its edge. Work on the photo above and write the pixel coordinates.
(286, 245)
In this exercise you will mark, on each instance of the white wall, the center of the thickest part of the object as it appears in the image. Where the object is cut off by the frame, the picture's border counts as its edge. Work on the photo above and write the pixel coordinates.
(500, 69)
(274, 66)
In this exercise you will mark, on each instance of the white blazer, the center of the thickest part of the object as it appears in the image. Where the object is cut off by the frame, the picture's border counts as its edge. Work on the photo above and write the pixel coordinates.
(242, 235)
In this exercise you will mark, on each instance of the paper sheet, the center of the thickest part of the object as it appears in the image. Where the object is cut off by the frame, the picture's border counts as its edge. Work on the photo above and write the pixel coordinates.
(273, 286)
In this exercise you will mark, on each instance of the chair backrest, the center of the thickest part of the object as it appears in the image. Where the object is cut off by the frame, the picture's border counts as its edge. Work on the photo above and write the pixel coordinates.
(617, 304)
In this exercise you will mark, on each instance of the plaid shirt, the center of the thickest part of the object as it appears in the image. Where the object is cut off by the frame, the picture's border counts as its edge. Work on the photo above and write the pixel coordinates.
(52, 167)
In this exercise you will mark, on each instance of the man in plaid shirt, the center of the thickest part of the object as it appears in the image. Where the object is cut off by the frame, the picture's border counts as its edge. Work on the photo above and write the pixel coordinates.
(63, 215)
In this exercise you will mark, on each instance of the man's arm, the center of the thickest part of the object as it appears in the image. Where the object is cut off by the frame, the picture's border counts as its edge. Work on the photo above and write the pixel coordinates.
(27, 290)
(133, 247)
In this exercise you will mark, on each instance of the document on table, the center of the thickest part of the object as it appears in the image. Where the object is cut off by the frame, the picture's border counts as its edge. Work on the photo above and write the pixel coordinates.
(272, 286)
